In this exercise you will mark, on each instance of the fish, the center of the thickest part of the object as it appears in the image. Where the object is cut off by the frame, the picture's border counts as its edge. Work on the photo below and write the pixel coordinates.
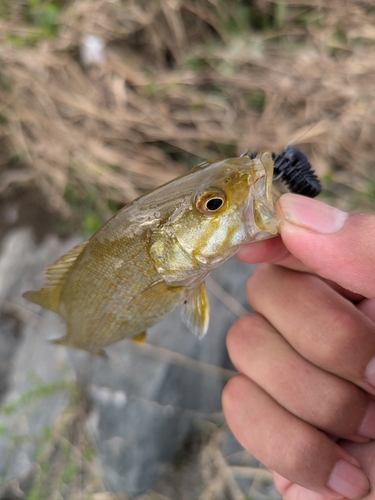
(155, 253)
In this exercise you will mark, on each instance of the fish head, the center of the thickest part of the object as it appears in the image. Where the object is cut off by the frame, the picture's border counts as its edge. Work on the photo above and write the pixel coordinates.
(228, 202)
(245, 188)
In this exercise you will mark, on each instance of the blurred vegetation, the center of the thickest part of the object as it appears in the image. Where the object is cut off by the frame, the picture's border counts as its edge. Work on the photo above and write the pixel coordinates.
(65, 460)
(182, 81)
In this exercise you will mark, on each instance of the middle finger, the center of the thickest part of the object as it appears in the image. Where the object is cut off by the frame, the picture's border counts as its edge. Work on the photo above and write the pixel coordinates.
(320, 324)
(320, 398)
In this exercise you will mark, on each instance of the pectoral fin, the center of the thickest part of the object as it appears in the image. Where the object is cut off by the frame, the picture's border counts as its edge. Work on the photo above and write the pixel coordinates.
(174, 264)
(196, 311)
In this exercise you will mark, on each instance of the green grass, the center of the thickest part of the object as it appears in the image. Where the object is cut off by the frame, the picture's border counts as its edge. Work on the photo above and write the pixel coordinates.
(34, 394)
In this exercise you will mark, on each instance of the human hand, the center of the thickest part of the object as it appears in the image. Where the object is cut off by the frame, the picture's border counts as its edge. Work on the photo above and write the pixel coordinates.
(304, 402)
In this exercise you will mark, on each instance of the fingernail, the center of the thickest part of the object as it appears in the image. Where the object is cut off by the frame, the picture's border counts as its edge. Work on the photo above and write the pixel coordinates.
(311, 214)
(367, 428)
(348, 480)
(370, 373)
(357, 438)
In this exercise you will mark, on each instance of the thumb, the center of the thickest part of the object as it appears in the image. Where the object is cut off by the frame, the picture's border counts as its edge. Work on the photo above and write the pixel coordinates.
(336, 245)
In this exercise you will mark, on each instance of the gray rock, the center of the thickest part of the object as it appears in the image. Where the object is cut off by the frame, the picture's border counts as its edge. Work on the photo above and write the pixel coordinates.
(10, 330)
(36, 373)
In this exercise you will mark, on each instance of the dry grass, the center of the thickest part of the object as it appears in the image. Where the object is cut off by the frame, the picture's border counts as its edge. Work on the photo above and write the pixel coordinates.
(184, 80)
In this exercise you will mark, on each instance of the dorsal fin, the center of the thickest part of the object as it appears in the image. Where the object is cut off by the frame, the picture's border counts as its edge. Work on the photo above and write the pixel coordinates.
(201, 165)
(49, 297)
(56, 272)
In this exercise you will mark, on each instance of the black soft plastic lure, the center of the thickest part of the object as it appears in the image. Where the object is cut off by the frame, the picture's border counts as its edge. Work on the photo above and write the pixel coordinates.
(293, 168)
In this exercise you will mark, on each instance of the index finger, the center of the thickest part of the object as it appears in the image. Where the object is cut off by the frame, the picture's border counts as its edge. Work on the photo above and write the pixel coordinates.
(333, 244)
(322, 240)
(274, 251)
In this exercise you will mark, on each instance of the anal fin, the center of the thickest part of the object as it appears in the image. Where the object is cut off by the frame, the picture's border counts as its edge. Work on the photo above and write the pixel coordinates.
(140, 338)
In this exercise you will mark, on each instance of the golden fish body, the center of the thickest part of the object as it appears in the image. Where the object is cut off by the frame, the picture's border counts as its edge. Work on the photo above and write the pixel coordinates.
(155, 253)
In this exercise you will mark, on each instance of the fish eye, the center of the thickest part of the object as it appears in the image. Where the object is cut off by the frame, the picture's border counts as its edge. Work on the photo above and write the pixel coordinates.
(214, 204)
(210, 202)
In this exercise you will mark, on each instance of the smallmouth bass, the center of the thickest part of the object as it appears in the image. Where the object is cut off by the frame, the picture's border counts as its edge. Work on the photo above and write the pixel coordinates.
(155, 253)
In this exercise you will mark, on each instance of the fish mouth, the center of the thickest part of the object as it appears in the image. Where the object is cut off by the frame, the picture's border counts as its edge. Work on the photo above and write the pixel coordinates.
(260, 216)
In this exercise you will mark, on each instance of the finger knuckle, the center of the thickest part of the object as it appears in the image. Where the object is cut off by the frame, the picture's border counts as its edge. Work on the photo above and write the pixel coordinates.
(338, 337)
(346, 408)
(303, 453)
